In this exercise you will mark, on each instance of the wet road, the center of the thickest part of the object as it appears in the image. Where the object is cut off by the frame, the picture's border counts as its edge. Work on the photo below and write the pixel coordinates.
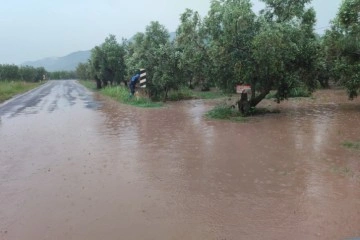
(74, 165)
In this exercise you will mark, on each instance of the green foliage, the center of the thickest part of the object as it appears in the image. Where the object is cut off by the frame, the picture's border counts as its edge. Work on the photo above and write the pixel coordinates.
(107, 63)
(276, 50)
(230, 27)
(114, 68)
(62, 75)
(82, 71)
(23, 73)
(342, 47)
(284, 10)
(191, 40)
(348, 16)
(153, 51)
(9, 72)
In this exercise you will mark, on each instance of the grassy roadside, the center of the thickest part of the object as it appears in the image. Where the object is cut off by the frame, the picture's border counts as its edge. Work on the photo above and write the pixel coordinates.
(88, 84)
(186, 94)
(9, 89)
(121, 94)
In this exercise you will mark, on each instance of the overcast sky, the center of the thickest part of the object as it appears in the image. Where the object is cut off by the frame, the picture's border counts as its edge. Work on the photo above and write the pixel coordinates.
(35, 29)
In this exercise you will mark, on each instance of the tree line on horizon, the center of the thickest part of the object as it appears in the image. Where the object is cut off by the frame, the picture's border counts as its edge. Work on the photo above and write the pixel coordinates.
(12, 72)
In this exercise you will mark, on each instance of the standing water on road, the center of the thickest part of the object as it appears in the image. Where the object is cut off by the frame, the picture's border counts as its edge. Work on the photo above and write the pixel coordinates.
(74, 165)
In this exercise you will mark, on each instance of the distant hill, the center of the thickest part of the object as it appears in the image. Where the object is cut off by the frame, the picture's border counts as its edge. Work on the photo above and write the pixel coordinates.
(67, 63)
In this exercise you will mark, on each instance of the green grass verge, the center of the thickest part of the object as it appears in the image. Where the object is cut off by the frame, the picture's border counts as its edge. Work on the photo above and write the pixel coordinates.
(122, 94)
(88, 84)
(186, 94)
(9, 89)
(352, 145)
(224, 112)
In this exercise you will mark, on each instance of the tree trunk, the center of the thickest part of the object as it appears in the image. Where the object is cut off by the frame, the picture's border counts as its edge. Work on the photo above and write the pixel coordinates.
(256, 100)
(98, 83)
(104, 83)
(166, 94)
(244, 104)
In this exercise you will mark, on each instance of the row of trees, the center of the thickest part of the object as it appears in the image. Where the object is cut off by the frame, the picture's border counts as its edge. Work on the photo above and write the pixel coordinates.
(23, 73)
(57, 75)
(11, 72)
(341, 47)
(274, 50)
(107, 64)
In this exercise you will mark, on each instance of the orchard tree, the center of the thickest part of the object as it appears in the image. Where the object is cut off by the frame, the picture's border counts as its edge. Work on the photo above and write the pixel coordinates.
(167, 75)
(82, 71)
(59, 75)
(27, 73)
(9, 72)
(274, 51)
(231, 28)
(135, 54)
(191, 41)
(343, 46)
(286, 54)
(153, 51)
(108, 62)
(114, 63)
(97, 62)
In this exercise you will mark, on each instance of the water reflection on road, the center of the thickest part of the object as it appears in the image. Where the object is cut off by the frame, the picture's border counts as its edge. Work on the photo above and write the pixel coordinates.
(118, 172)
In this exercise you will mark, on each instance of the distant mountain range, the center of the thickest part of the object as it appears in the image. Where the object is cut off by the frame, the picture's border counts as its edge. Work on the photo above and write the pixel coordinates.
(69, 62)
(66, 63)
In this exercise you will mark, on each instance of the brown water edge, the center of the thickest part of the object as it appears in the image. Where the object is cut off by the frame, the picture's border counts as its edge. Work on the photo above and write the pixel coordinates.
(127, 173)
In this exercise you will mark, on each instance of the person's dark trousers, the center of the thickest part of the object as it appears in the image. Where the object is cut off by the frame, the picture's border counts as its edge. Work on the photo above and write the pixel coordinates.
(132, 88)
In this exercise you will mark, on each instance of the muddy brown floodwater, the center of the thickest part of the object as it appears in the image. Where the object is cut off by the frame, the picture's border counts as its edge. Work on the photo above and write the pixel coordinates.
(74, 165)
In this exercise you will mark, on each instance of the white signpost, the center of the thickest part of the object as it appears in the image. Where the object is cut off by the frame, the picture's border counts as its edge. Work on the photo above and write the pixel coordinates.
(245, 88)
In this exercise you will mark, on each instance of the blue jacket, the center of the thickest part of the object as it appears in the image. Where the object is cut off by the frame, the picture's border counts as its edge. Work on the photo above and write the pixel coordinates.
(135, 78)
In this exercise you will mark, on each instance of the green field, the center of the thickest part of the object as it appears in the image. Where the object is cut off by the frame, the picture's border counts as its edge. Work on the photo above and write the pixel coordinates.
(9, 89)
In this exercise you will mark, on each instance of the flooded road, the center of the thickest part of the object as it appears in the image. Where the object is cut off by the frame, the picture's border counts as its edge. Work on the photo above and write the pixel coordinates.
(74, 165)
